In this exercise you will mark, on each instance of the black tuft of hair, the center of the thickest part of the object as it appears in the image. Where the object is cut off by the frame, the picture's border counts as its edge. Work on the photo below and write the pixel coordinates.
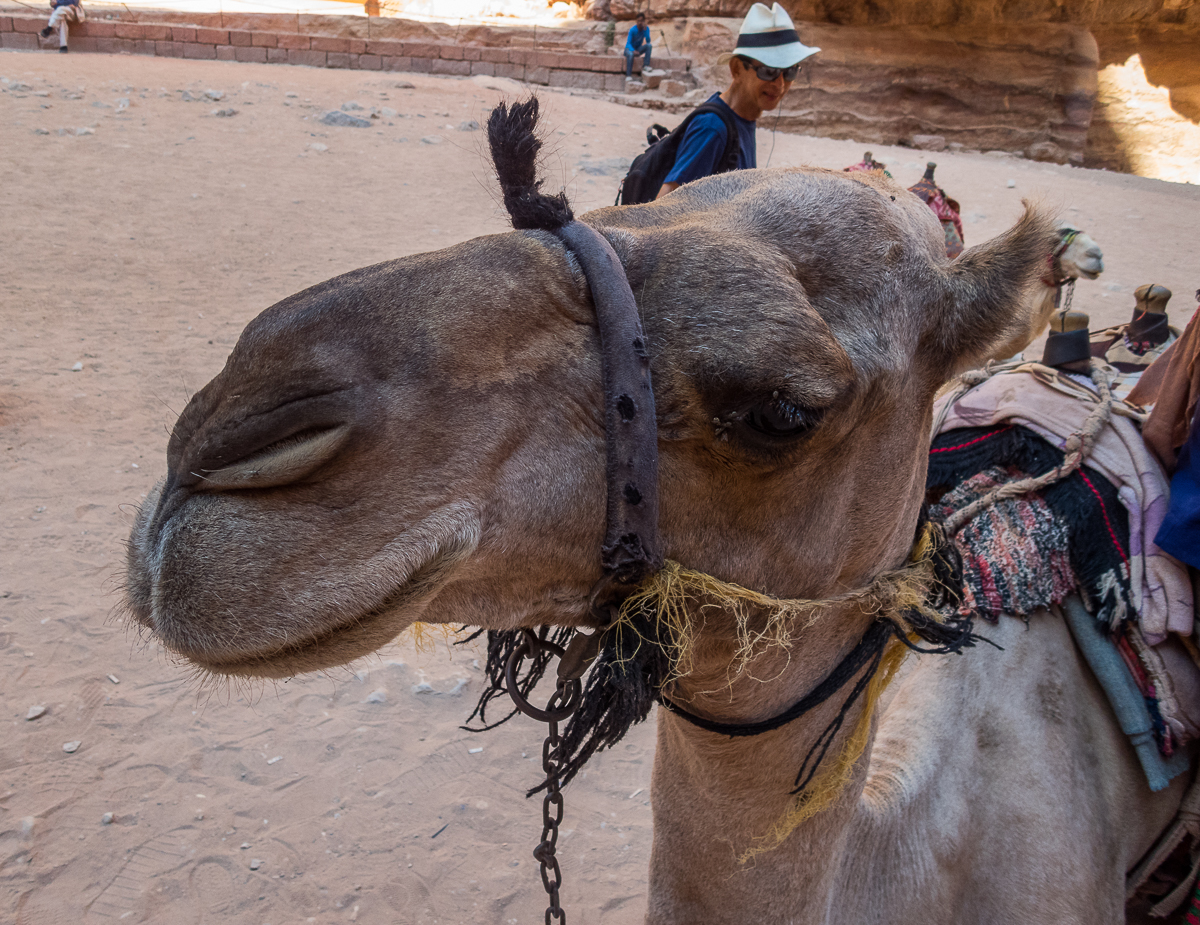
(512, 137)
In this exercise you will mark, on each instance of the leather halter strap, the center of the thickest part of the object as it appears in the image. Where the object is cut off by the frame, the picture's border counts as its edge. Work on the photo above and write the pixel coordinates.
(866, 653)
(632, 547)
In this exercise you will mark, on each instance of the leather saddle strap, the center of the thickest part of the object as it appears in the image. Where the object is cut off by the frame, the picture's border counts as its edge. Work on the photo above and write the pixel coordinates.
(632, 547)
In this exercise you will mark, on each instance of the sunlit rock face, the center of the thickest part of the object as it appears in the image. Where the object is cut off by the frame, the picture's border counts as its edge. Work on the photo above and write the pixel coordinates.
(1105, 83)
(1003, 87)
(937, 12)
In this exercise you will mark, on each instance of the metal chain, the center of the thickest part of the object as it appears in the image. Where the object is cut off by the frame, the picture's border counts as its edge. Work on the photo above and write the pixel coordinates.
(563, 702)
(552, 810)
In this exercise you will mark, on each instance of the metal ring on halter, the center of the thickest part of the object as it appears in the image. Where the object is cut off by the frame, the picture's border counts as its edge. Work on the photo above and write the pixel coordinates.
(552, 713)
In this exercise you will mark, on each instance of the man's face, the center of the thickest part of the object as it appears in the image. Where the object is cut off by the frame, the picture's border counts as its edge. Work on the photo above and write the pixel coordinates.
(768, 93)
(641, 20)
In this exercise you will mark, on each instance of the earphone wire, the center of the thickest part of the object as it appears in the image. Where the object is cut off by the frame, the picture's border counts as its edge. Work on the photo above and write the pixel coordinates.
(774, 129)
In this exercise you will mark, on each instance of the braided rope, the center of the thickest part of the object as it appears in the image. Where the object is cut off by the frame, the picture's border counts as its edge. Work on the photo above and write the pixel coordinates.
(1078, 446)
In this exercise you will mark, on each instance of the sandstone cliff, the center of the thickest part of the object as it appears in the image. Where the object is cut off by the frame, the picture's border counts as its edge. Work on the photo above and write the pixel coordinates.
(930, 12)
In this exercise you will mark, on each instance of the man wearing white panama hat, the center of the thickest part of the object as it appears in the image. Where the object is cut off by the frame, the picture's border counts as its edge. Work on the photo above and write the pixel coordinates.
(763, 66)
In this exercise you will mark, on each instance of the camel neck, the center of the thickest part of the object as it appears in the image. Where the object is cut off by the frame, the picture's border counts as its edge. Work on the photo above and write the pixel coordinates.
(745, 784)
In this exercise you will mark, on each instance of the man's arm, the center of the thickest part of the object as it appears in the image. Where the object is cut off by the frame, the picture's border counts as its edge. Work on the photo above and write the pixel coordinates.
(667, 188)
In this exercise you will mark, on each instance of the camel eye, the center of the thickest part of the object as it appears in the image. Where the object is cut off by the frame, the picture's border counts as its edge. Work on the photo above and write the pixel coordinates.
(779, 417)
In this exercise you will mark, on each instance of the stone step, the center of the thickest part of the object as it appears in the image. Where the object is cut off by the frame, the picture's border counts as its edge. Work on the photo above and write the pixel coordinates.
(533, 65)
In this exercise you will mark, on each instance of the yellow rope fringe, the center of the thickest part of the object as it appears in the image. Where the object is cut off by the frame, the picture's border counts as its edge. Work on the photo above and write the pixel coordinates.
(426, 636)
(678, 597)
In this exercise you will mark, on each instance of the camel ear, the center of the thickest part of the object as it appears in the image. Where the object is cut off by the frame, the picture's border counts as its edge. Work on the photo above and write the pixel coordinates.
(984, 294)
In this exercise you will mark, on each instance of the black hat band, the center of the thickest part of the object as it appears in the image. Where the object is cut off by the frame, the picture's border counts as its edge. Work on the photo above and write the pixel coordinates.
(768, 39)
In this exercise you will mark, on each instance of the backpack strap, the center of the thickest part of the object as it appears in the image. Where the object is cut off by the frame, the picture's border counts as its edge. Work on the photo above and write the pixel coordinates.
(733, 147)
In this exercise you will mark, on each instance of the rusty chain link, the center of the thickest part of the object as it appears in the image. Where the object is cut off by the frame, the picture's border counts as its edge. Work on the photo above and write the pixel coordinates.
(552, 809)
(561, 705)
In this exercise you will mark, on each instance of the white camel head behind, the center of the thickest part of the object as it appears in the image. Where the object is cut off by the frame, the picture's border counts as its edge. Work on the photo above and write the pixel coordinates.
(1074, 255)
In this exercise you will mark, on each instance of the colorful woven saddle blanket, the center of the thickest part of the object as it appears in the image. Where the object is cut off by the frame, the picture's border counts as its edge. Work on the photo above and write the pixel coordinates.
(1025, 553)
(867, 163)
(1040, 550)
(948, 212)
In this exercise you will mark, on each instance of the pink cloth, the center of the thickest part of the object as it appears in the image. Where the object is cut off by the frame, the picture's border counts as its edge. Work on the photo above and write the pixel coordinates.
(1055, 406)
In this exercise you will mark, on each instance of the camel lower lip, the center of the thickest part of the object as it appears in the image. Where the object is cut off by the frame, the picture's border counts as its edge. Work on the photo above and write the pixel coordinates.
(297, 658)
(287, 628)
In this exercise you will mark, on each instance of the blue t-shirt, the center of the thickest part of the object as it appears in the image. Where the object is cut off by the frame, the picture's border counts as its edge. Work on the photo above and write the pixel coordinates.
(704, 142)
(1180, 531)
(638, 36)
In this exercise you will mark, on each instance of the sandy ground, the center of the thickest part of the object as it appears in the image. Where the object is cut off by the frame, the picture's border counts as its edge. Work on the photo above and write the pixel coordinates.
(130, 259)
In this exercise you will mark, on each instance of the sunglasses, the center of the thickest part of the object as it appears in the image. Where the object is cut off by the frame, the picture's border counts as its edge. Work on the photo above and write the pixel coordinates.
(770, 73)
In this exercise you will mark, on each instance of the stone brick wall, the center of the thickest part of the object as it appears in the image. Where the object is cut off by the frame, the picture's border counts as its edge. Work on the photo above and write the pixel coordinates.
(533, 65)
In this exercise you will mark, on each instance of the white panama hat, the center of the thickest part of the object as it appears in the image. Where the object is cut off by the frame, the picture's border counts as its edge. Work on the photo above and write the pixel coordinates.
(769, 37)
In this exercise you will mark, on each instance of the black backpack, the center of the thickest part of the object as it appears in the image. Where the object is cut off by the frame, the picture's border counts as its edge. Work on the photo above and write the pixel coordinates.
(650, 168)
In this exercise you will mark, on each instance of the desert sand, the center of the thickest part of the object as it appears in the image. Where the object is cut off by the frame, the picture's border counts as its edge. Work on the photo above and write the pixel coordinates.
(139, 232)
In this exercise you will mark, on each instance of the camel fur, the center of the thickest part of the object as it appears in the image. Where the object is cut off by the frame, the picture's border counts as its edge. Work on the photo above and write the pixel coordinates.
(424, 440)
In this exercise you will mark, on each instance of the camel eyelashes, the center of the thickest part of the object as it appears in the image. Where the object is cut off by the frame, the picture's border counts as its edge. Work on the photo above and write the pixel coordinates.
(778, 417)
(281, 463)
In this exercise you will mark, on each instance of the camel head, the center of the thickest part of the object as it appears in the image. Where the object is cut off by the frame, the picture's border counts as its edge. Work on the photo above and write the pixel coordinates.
(1081, 257)
(424, 439)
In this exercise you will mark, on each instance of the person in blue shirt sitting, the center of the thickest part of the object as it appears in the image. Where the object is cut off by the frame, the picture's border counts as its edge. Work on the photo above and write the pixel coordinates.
(63, 12)
(763, 65)
(638, 43)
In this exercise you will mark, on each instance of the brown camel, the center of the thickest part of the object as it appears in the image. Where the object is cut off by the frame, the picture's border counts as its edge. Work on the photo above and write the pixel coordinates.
(424, 440)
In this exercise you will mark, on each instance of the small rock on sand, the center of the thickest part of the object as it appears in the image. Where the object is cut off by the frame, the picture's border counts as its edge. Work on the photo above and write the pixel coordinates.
(77, 368)
(317, 146)
(255, 864)
(351, 106)
(379, 696)
(404, 85)
(469, 126)
(214, 95)
(432, 140)
(106, 819)
(929, 142)
(114, 679)
(224, 113)
(85, 131)
(41, 131)
(422, 687)
(35, 712)
(71, 747)
(336, 117)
